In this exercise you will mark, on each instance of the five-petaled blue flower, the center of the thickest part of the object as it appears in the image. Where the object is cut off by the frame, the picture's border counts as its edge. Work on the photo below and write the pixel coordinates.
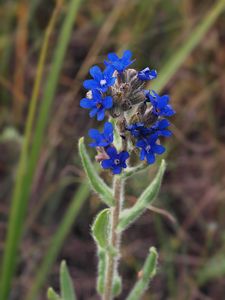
(138, 130)
(103, 139)
(160, 127)
(119, 64)
(116, 161)
(97, 104)
(101, 80)
(147, 74)
(160, 104)
(149, 148)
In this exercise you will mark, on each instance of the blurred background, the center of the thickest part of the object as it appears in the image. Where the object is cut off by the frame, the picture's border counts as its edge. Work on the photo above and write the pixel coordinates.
(46, 49)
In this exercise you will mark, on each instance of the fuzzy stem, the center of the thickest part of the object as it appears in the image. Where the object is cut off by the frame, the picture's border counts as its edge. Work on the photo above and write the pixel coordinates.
(113, 254)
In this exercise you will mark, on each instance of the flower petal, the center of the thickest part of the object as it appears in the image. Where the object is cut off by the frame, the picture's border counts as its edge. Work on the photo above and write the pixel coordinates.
(159, 149)
(108, 102)
(108, 72)
(112, 56)
(142, 154)
(127, 54)
(107, 163)
(163, 101)
(150, 158)
(123, 156)
(86, 103)
(96, 73)
(108, 128)
(94, 133)
(90, 84)
(111, 151)
(101, 114)
(93, 112)
(117, 170)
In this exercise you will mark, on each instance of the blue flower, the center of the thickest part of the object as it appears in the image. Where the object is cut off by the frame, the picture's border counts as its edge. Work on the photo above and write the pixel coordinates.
(97, 104)
(147, 74)
(160, 127)
(119, 64)
(149, 148)
(116, 161)
(138, 130)
(101, 80)
(102, 139)
(160, 104)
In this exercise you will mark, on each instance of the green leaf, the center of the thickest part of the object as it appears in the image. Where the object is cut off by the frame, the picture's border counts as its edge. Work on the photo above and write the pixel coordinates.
(100, 228)
(148, 272)
(117, 285)
(129, 215)
(66, 285)
(96, 182)
(101, 271)
(52, 295)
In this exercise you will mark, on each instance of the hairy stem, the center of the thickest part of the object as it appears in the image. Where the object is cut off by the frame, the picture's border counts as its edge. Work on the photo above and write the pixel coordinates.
(114, 244)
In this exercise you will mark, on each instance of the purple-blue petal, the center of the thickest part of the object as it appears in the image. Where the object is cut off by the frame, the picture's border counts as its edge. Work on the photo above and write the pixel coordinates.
(90, 84)
(93, 112)
(107, 163)
(111, 151)
(117, 170)
(150, 158)
(112, 56)
(101, 114)
(96, 73)
(86, 103)
(108, 128)
(159, 149)
(108, 102)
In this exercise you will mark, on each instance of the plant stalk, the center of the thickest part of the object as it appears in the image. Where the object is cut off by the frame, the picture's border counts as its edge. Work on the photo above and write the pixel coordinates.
(113, 254)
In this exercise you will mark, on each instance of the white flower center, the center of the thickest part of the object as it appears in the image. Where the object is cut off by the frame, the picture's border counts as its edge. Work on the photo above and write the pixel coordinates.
(102, 82)
(148, 148)
(116, 161)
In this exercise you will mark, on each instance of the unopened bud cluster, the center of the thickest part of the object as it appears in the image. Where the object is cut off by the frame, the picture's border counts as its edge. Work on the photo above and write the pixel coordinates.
(137, 117)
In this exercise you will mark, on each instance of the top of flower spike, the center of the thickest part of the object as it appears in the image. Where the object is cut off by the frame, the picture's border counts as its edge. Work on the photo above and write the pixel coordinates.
(101, 80)
(141, 115)
(119, 64)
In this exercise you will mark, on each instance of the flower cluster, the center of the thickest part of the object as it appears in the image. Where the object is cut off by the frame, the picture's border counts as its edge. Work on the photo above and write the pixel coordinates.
(138, 116)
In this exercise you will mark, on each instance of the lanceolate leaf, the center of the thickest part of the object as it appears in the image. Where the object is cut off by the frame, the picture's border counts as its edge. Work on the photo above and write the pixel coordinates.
(129, 215)
(101, 270)
(97, 183)
(148, 272)
(52, 295)
(100, 228)
(66, 285)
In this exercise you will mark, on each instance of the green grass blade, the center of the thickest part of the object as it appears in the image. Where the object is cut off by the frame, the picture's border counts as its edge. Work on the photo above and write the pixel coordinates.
(19, 204)
(189, 44)
(66, 284)
(57, 240)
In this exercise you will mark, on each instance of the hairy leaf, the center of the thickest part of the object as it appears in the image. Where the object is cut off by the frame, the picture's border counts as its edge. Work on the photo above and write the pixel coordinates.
(129, 215)
(100, 228)
(96, 182)
(148, 272)
(66, 285)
